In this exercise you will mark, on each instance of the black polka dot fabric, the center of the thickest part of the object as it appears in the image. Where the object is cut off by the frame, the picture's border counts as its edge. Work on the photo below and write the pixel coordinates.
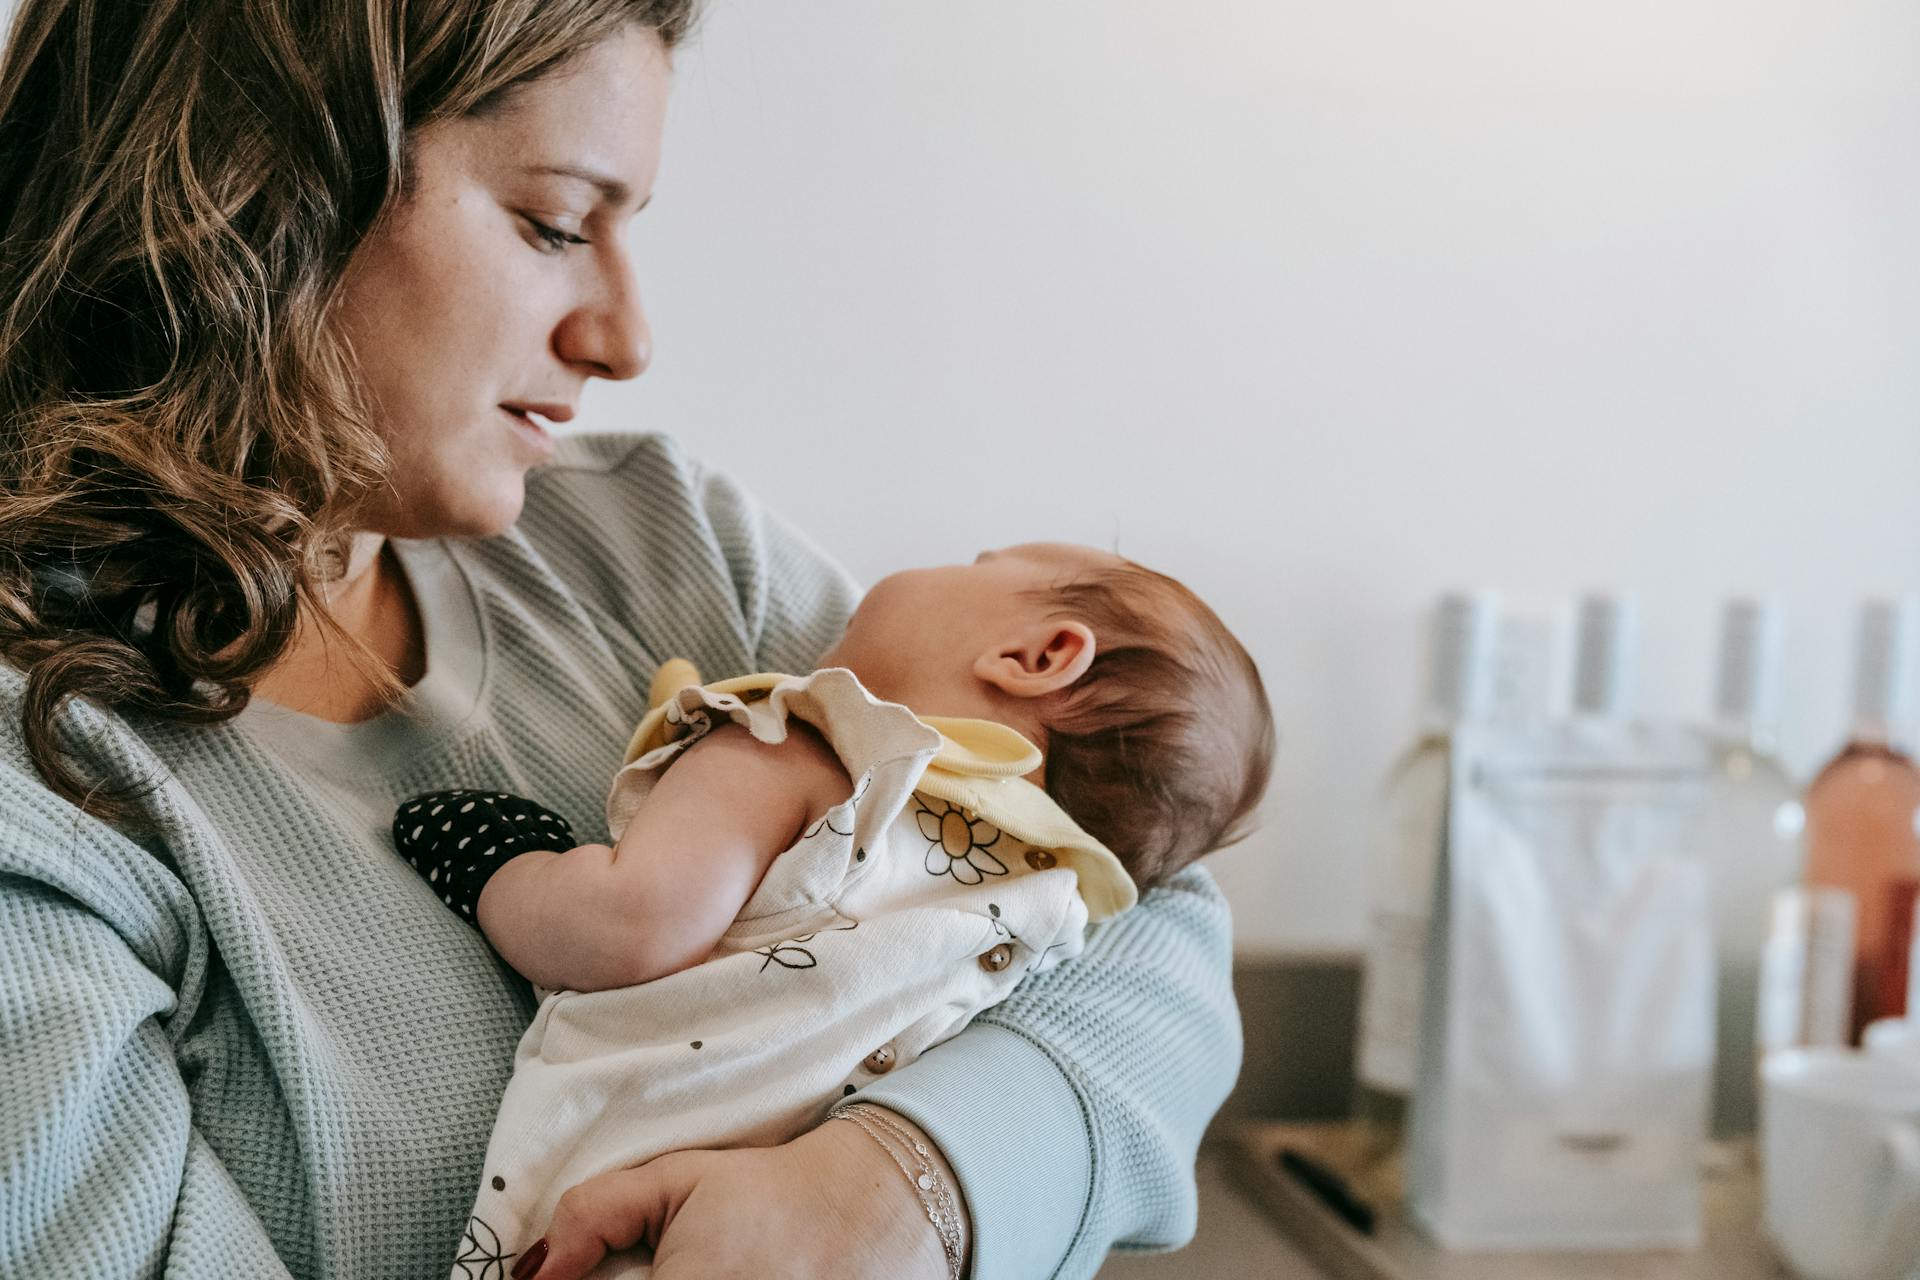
(458, 839)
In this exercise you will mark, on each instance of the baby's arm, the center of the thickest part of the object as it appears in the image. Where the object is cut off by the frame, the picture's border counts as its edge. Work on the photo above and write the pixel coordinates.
(597, 917)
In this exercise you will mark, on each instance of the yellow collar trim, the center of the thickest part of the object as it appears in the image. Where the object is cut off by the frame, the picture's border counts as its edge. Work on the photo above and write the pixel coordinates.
(981, 766)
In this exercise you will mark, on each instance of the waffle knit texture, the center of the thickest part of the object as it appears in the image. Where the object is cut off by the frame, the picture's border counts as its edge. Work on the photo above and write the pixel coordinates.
(254, 1043)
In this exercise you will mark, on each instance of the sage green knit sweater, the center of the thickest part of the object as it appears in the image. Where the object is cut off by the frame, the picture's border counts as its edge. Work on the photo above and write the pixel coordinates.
(256, 1045)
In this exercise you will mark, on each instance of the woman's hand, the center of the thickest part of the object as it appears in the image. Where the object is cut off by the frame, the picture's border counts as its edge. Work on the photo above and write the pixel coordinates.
(830, 1203)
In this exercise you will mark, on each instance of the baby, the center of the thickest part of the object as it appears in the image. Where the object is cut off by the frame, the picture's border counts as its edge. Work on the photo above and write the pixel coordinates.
(811, 884)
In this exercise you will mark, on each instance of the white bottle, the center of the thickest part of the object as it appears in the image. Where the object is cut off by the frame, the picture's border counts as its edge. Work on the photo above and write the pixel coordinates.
(1607, 628)
(1532, 655)
(1751, 844)
(1412, 824)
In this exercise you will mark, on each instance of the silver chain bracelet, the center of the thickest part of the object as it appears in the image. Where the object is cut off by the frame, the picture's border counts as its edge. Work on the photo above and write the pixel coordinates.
(935, 1196)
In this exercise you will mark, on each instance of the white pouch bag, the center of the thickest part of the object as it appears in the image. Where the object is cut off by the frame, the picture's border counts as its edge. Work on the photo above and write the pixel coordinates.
(1567, 1047)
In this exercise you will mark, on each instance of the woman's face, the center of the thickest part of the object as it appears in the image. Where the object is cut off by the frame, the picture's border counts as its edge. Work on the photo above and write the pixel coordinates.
(502, 284)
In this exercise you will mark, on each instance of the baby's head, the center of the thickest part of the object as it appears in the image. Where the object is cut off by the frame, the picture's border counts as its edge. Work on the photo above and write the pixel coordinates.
(1155, 726)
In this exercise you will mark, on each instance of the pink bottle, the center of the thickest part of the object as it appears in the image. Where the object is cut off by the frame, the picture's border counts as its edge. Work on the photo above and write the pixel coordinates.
(1861, 815)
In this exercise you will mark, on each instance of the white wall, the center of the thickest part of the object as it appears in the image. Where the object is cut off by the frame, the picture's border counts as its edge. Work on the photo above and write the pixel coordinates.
(1323, 308)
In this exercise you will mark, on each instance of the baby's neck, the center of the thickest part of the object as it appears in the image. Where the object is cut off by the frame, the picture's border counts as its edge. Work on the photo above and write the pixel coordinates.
(965, 699)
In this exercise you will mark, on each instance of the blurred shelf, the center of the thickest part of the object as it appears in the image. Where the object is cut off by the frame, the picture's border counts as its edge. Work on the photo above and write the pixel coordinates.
(1734, 1248)
(1236, 1239)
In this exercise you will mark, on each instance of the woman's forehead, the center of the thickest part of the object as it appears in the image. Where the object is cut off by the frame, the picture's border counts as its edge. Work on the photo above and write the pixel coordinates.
(596, 120)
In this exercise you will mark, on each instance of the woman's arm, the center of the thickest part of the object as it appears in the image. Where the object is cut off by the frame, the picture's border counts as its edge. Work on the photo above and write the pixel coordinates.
(829, 1205)
(106, 1174)
(1114, 1061)
(1069, 1116)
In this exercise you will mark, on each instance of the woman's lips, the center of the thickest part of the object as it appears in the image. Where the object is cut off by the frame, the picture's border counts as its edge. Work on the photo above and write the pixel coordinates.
(531, 428)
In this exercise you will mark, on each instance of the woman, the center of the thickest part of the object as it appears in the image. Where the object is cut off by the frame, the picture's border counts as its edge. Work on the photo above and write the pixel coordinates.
(291, 287)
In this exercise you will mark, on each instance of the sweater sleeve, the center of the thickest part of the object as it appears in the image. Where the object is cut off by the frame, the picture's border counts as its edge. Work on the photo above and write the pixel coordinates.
(105, 1173)
(1113, 1062)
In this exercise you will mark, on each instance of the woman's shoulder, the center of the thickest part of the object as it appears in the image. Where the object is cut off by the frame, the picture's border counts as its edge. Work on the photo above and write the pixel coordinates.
(627, 485)
(628, 495)
(611, 462)
(621, 521)
(50, 850)
(682, 553)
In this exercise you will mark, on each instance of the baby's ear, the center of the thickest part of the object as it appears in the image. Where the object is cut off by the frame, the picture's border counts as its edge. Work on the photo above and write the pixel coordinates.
(1044, 657)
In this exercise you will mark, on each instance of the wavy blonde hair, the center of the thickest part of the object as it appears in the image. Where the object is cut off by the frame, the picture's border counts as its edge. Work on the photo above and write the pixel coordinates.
(182, 440)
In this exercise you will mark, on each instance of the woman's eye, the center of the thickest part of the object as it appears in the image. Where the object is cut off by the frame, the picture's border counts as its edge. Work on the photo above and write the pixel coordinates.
(553, 239)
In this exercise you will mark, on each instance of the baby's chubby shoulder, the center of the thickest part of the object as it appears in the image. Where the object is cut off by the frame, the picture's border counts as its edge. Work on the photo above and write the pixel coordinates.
(803, 752)
(800, 774)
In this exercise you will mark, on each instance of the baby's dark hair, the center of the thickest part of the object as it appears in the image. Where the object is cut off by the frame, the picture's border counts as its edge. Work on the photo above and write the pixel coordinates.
(1162, 750)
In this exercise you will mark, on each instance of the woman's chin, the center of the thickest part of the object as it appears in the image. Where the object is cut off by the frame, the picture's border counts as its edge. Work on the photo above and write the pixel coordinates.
(488, 504)
(498, 511)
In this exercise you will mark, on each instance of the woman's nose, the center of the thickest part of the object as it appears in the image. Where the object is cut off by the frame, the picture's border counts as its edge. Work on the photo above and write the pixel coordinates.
(609, 335)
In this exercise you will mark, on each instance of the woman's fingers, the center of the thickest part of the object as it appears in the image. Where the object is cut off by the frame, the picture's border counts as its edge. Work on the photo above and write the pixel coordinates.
(623, 1209)
(829, 1205)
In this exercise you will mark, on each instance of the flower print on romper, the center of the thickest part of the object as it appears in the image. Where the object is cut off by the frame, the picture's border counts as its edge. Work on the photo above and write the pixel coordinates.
(825, 821)
(791, 955)
(1004, 930)
(959, 844)
(481, 1257)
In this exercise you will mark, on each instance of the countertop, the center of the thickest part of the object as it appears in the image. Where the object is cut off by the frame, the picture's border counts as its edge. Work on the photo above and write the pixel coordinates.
(1235, 1239)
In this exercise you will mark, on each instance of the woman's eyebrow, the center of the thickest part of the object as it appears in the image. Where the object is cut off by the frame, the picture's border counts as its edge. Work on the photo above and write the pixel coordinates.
(612, 190)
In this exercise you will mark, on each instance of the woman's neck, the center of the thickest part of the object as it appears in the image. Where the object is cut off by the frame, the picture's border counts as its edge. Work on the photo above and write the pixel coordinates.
(372, 602)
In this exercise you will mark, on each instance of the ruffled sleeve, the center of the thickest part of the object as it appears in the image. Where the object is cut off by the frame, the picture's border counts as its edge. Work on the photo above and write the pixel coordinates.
(883, 747)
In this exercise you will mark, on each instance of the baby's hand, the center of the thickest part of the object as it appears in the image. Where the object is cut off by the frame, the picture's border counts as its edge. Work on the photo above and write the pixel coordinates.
(458, 839)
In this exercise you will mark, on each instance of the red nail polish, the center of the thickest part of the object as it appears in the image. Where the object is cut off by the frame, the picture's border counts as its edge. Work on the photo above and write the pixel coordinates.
(530, 1261)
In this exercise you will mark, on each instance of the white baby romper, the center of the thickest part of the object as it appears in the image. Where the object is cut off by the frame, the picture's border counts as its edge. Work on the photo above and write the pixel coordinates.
(882, 931)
